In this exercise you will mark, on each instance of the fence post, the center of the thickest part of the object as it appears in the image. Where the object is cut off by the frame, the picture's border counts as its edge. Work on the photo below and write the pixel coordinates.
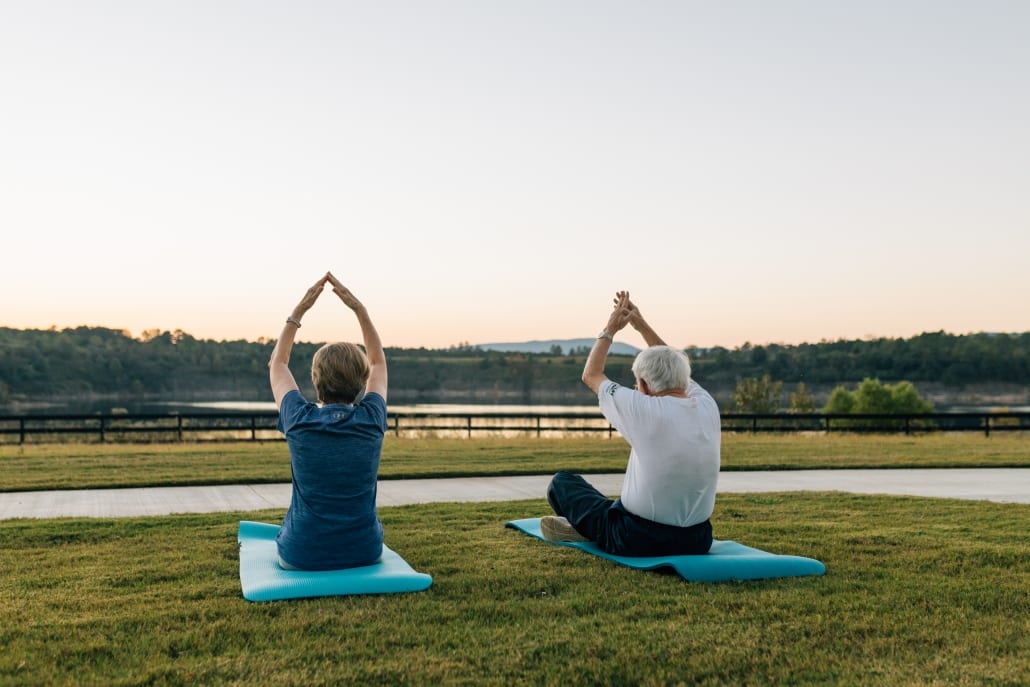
(178, 426)
(468, 421)
(21, 430)
(987, 425)
(907, 419)
(253, 428)
(102, 438)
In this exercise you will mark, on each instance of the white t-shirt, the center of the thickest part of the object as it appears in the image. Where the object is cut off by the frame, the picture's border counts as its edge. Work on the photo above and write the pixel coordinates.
(675, 442)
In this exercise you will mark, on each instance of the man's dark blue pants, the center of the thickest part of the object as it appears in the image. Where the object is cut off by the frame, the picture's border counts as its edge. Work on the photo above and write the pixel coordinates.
(615, 529)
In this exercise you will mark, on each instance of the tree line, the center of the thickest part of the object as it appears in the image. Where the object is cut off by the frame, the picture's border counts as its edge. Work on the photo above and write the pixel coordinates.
(84, 361)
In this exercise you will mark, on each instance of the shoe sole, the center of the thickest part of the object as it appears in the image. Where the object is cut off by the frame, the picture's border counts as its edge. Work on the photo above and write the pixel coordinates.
(560, 532)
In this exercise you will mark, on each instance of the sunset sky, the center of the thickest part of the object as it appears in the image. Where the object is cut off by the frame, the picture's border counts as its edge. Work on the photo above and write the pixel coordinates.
(483, 171)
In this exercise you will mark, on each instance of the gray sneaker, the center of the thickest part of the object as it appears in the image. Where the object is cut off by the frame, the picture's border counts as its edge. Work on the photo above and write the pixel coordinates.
(557, 528)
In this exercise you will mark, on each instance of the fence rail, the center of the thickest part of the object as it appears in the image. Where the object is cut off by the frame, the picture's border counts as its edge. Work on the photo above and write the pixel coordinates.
(262, 426)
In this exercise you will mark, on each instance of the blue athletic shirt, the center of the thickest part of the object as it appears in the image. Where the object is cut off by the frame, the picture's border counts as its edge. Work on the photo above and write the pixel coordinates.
(334, 454)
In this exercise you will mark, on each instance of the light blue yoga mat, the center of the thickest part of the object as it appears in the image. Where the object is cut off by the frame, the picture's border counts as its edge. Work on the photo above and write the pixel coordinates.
(726, 561)
(263, 580)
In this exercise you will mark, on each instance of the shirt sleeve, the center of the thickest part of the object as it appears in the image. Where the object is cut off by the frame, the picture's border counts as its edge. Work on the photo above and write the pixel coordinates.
(291, 408)
(375, 406)
(614, 400)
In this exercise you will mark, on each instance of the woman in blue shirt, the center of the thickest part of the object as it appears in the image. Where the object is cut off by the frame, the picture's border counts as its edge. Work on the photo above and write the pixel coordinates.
(334, 444)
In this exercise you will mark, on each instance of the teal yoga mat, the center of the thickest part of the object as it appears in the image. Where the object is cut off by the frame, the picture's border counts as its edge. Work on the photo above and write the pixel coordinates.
(726, 561)
(263, 580)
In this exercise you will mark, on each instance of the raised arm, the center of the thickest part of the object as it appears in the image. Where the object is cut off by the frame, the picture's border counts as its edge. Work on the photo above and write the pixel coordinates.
(593, 371)
(637, 321)
(377, 377)
(279, 374)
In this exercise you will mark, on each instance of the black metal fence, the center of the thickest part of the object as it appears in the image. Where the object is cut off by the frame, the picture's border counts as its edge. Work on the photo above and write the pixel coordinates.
(262, 426)
(986, 422)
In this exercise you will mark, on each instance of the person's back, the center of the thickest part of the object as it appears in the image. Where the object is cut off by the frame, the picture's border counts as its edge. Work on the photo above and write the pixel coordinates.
(673, 467)
(334, 456)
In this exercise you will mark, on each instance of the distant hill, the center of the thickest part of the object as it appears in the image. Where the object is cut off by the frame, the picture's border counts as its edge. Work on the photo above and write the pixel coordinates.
(566, 346)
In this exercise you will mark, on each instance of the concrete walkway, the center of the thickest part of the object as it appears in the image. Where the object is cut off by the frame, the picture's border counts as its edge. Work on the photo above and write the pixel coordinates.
(1009, 485)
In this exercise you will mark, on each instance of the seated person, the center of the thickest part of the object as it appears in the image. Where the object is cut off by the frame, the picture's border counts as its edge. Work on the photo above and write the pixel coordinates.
(334, 445)
(673, 429)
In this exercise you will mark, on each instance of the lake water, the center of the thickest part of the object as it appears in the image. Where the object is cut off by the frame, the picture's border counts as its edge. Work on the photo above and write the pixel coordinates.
(170, 407)
(441, 408)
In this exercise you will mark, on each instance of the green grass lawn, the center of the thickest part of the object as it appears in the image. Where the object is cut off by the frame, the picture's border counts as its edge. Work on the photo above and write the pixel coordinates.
(917, 592)
(77, 466)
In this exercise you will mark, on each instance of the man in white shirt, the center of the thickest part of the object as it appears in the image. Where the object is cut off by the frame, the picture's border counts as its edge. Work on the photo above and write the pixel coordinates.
(673, 428)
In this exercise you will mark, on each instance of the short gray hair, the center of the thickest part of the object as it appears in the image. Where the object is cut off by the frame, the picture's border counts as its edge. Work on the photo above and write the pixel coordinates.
(662, 367)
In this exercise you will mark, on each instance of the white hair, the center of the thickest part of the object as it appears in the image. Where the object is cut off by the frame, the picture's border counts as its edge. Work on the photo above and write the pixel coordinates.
(662, 367)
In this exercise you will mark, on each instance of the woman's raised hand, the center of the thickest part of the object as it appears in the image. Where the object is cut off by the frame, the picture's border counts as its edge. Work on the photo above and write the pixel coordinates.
(348, 298)
(310, 297)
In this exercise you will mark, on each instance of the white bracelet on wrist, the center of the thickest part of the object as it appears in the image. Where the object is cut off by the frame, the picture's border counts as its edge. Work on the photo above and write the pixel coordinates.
(292, 320)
